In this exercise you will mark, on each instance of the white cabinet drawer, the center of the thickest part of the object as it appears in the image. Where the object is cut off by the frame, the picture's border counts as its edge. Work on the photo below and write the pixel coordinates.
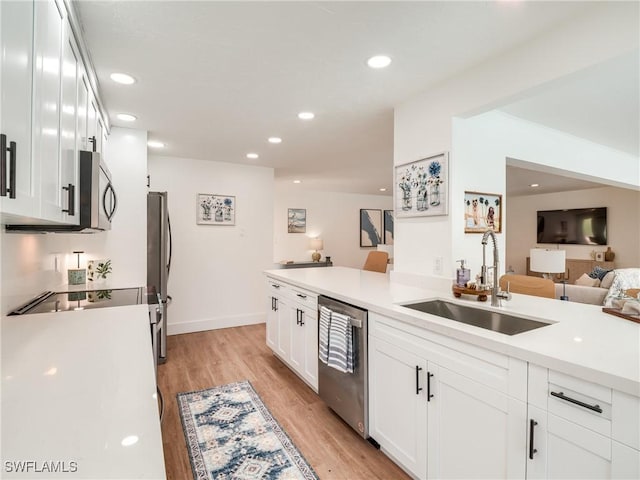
(277, 288)
(304, 297)
(625, 419)
(581, 402)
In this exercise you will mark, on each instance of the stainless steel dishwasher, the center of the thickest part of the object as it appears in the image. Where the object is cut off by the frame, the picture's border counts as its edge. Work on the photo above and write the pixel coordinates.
(347, 394)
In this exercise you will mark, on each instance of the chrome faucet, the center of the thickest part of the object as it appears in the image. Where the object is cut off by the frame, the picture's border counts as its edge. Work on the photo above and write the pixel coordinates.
(496, 294)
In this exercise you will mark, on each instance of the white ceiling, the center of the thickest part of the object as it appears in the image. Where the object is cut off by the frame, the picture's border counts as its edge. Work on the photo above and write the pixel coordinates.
(215, 79)
(519, 181)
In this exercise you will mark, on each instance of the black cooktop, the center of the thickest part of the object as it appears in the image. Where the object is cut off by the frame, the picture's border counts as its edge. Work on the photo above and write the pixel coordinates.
(87, 299)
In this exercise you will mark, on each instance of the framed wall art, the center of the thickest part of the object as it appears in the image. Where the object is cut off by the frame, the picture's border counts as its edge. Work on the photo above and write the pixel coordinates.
(422, 187)
(482, 212)
(296, 220)
(214, 209)
(388, 227)
(370, 227)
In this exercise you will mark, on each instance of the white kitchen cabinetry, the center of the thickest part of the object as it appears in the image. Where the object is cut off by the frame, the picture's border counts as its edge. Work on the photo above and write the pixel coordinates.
(398, 409)
(580, 430)
(442, 408)
(44, 114)
(19, 196)
(304, 335)
(292, 328)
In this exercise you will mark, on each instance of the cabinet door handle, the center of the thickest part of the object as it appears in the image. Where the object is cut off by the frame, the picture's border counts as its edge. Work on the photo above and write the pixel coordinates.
(562, 396)
(532, 424)
(418, 387)
(301, 317)
(3, 165)
(93, 142)
(71, 199)
(12, 149)
(429, 394)
(276, 304)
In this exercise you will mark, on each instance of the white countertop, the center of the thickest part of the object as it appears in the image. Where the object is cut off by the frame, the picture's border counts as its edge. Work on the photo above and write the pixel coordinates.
(581, 340)
(75, 385)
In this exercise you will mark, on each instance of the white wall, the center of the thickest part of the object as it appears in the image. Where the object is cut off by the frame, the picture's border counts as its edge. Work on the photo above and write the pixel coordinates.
(333, 217)
(425, 125)
(623, 224)
(216, 276)
(29, 261)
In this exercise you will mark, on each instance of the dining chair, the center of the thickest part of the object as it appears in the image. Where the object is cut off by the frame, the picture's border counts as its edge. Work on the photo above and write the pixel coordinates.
(528, 285)
(376, 262)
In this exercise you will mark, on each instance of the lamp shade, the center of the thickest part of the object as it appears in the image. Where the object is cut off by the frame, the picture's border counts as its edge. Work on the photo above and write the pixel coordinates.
(316, 244)
(547, 261)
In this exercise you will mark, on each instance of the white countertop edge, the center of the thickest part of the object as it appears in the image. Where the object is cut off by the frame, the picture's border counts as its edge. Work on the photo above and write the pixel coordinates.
(494, 341)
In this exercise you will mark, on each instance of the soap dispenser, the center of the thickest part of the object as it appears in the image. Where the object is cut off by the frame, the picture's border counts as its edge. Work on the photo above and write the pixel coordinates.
(463, 275)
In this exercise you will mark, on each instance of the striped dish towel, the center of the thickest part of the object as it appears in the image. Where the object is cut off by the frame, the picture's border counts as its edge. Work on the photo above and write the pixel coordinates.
(340, 351)
(323, 334)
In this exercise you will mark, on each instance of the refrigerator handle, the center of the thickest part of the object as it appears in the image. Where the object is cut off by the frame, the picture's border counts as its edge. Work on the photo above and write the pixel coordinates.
(170, 245)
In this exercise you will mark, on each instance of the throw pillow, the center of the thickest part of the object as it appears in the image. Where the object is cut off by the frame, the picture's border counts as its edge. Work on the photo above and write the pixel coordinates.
(624, 278)
(586, 281)
(607, 280)
(598, 272)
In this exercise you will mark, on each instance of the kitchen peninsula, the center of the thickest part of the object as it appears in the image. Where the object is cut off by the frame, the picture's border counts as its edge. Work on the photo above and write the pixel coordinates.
(577, 379)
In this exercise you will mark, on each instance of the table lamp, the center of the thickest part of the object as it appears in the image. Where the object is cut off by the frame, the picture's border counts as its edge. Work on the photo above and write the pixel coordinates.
(548, 262)
(77, 276)
(316, 244)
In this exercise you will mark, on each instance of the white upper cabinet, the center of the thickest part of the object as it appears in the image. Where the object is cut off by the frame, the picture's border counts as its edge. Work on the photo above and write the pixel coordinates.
(48, 110)
(18, 193)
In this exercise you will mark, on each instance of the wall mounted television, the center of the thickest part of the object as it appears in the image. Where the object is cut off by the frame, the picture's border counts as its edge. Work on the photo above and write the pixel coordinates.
(578, 226)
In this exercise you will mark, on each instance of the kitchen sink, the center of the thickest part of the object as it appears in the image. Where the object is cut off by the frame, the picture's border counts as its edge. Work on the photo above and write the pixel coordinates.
(488, 319)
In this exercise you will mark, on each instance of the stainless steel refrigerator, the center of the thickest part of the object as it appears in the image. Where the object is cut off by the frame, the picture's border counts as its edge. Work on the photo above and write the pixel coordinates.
(159, 258)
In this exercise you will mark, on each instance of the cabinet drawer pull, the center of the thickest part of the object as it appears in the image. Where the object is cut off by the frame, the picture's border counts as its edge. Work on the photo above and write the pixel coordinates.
(562, 396)
(532, 424)
(429, 394)
(275, 286)
(304, 297)
(418, 387)
(71, 198)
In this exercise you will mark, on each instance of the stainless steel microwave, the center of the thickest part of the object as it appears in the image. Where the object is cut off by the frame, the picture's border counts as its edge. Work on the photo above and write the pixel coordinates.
(97, 202)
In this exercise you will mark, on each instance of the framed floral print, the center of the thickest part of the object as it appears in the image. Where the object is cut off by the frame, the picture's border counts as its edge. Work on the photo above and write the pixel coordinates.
(422, 187)
(215, 209)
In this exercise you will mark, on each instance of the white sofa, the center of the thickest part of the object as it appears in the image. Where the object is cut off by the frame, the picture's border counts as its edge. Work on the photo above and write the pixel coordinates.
(611, 285)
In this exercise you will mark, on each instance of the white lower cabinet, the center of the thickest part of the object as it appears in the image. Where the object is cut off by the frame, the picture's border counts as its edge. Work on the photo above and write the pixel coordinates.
(429, 412)
(398, 404)
(576, 429)
(292, 328)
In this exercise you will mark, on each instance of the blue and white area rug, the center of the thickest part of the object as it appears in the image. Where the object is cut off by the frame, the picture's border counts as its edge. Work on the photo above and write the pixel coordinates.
(231, 435)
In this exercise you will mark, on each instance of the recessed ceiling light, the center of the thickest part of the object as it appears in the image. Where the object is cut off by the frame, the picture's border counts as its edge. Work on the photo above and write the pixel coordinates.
(534, 185)
(379, 61)
(155, 144)
(122, 78)
(275, 140)
(297, 181)
(383, 189)
(306, 115)
(252, 155)
(126, 117)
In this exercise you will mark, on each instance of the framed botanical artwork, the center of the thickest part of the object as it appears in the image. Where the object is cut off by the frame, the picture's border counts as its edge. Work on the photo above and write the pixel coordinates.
(296, 220)
(482, 212)
(388, 227)
(370, 227)
(422, 187)
(214, 209)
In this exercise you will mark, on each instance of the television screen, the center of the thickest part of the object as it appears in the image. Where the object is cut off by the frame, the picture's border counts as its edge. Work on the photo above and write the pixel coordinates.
(580, 226)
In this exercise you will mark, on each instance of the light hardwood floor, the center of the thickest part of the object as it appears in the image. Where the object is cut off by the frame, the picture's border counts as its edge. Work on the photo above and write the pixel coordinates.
(202, 360)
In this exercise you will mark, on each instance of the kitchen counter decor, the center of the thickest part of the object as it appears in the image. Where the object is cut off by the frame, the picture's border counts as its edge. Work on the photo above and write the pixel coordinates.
(230, 433)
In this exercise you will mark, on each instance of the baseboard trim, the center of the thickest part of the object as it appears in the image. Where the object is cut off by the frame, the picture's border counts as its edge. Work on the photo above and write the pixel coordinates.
(215, 323)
